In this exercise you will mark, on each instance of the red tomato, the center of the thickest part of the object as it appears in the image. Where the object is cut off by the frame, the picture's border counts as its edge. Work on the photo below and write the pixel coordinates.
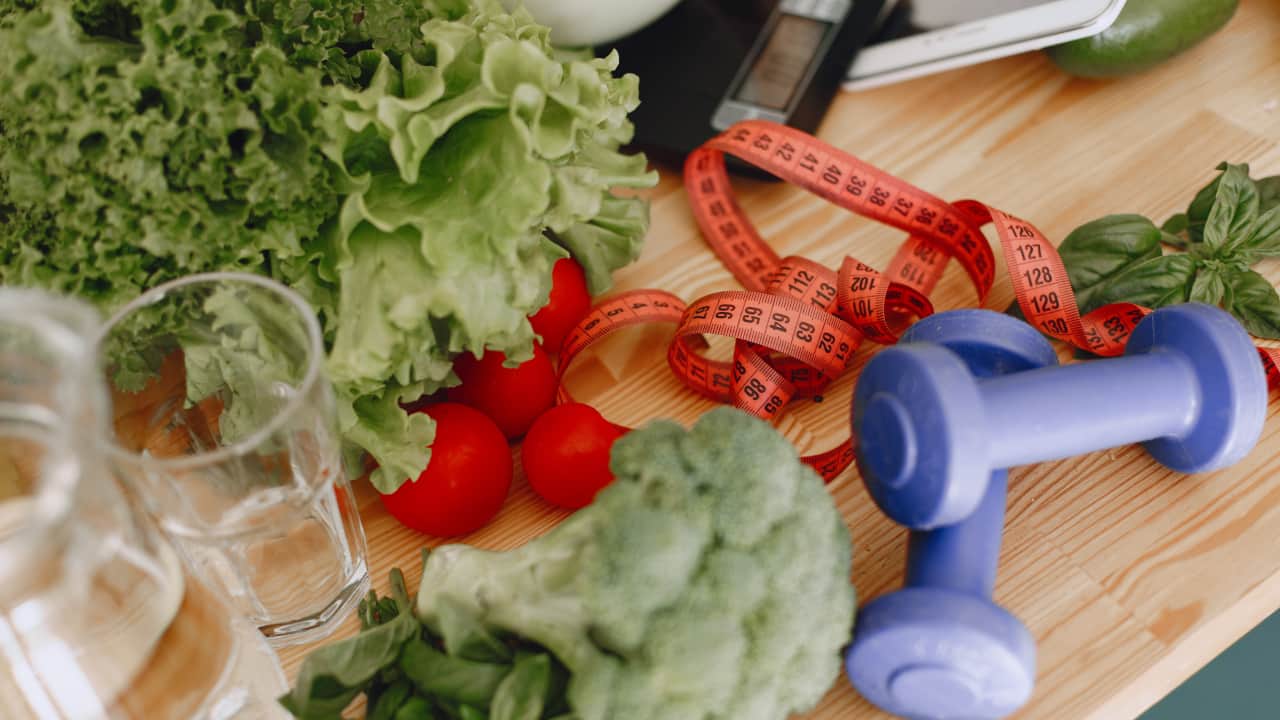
(512, 397)
(566, 454)
(466, 481)
(569, 303)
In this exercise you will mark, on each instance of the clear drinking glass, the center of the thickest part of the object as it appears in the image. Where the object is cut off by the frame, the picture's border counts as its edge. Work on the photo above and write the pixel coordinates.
(97, 619)
(228, 431)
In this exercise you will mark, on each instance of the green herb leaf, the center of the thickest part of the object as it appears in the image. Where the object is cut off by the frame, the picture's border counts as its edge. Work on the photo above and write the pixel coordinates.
(1198, 210)
(374, 611)
(466, 712)
(337, 673)
(326, 699)
(523, 693)
(1152, 283)
(1208, 287)
(339, 670)
(1173, 231)
(1255, 304)
(1268, 192)
(466, 637)
(391, 701)
(1096, 251)
(1264, 240)
(434, 673)
(451, 709)
(1175, 224)
(415, 709)
(1174, 241)
(1235, 208)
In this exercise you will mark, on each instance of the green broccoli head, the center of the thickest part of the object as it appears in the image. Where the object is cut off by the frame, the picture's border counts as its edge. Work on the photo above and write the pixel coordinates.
(711, 580)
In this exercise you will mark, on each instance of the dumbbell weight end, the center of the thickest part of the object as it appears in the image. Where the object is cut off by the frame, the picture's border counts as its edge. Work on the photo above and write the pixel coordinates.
(1190, 386)
(940, 648)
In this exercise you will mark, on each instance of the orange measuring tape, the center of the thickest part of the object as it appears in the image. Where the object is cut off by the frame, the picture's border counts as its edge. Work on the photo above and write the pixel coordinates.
(797, 324)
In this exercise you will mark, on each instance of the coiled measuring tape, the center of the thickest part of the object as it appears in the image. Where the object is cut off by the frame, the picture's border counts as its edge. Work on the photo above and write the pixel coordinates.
(797, 324)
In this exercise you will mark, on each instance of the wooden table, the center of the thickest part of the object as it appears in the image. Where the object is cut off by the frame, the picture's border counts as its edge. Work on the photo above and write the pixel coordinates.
(1130, 577)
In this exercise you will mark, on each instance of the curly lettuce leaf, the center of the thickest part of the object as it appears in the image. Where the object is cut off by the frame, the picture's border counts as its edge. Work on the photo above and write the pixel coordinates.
(127, 164)
(466, 177)
(397, 440)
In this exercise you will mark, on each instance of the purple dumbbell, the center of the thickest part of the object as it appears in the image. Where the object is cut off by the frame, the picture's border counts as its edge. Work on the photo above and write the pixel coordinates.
(940, 648)
(1190, 387)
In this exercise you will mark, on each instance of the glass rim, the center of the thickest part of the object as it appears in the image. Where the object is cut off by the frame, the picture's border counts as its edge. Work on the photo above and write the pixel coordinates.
(245, 445)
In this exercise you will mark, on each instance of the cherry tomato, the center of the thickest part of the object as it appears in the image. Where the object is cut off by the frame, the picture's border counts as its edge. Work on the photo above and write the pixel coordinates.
(566, 454)
(465, 483)
(569, 303)
(512, 397)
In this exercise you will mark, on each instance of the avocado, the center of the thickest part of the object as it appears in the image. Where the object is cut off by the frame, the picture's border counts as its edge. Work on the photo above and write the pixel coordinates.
(1147, 33)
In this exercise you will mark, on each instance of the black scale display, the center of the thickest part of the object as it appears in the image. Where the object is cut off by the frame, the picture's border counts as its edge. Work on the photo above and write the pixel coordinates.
(707, 65)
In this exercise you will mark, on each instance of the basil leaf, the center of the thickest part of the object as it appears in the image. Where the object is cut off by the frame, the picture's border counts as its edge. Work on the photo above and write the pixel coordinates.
(374, 611)
(466, 637)
(1255, 304)
(1198, 210)
(1173, 232)
(326, 699)
(1234, 210)
(1264, 240)
(1268, 192)
(434, 673)
(1152, 283)
(523, 693)
(1174, 241)
(1208, 287)
(415, 709)
(391, 700)
(1099, 250)
(333, 675)
(1175, 224)
(466, 712)
(340, 670)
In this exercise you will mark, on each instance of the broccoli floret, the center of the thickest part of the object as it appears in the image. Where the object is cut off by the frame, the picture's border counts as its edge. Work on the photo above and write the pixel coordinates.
(710, 581)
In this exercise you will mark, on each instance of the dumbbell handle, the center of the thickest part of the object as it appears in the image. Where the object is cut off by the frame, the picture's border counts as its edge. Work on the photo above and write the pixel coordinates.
(962, 557)
(1060, 412)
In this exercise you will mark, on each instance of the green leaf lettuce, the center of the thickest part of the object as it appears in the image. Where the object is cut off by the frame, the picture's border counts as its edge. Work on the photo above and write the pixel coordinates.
(413, 169)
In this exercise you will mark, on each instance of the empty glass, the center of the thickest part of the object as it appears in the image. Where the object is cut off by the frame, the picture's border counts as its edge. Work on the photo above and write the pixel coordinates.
(227, 430)
(97, 619)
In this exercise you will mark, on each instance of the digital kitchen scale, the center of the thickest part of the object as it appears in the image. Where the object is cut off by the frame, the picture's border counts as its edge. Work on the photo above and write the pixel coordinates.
(708, 64)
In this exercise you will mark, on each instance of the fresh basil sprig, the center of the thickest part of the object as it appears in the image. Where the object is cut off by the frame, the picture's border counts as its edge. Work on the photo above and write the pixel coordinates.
(408, 671)
(1230, 225)
(334, 675)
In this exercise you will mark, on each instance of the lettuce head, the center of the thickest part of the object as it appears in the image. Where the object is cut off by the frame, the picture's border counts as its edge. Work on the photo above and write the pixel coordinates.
(412, 168)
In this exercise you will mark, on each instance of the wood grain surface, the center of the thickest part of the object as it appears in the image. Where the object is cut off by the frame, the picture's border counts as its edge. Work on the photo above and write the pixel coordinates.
(1129, 576)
